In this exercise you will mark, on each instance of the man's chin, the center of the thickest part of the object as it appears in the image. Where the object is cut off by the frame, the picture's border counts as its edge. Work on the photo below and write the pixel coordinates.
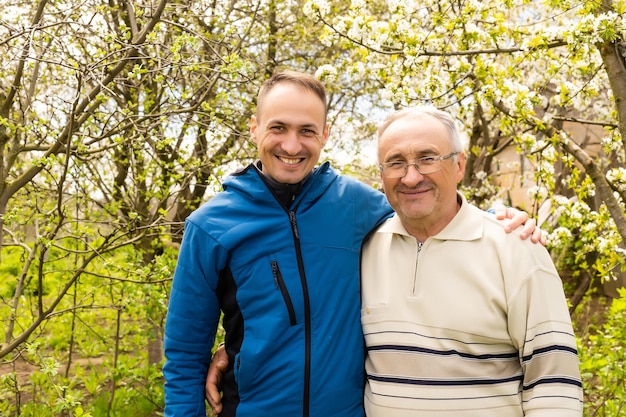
(290, 178)
(294, 174)
(414, 207)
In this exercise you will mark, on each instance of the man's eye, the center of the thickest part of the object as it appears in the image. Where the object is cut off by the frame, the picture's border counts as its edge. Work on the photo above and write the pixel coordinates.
(427, 160)
(308, 132)
(395, 164)
(277, 128)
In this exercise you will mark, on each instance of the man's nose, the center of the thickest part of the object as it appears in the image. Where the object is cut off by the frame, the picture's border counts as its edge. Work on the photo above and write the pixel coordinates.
(412, 176)
(291, 143)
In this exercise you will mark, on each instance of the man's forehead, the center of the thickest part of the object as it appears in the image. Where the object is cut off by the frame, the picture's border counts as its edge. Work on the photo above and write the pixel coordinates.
(291, 122)
(408, 150)
(291, 105)
(279, 90)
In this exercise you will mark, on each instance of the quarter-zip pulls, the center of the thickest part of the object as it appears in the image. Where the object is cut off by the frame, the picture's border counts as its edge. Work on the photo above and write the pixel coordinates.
(417, 257)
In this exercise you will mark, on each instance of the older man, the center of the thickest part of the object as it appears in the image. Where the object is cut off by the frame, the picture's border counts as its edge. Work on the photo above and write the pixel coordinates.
(459, 317)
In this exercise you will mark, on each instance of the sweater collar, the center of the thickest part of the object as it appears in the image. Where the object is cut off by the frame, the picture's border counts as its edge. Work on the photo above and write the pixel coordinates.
(464, 226)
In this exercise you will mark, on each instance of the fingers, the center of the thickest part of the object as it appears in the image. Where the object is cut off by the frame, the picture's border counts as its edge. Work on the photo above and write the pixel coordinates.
(220, 359)
(213, 383)
(538, 236)
(519, 218)
(501, 211)
(212, 392)
(528, 228)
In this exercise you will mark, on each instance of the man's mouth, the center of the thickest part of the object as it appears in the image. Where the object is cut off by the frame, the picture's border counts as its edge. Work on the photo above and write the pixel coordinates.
(290, 161)
(415, 191)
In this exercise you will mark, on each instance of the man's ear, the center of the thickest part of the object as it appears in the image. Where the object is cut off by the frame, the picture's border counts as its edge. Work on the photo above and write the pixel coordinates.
(253, 128)
(325, 134)
(460, 166)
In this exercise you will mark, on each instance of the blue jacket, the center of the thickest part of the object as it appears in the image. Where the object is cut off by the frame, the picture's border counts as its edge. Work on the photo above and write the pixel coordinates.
(287, 282)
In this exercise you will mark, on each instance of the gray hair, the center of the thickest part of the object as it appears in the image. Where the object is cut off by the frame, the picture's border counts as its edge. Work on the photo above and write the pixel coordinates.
(417, 111)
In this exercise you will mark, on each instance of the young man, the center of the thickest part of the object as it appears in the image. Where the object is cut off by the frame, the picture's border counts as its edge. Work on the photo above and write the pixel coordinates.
(459, 318)
(277, 252)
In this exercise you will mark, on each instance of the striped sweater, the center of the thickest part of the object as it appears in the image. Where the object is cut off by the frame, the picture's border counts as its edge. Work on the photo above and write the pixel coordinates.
(473, 322)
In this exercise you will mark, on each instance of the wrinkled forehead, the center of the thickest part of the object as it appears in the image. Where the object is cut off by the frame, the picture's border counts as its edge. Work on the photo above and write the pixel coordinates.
(406, 150)
(413, 137)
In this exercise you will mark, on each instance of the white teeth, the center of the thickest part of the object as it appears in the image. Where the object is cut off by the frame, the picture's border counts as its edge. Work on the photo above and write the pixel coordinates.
(290, 161)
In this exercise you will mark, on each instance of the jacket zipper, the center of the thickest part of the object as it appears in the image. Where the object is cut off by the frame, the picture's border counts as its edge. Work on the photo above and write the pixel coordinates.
(280, 284)
(305, 291)
(307, 316)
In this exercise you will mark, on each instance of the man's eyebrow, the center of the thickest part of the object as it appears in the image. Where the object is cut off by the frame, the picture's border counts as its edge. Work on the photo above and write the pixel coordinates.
(275, 122)
(416, 155)
(314, 126)
(395, 156)
(305, 125)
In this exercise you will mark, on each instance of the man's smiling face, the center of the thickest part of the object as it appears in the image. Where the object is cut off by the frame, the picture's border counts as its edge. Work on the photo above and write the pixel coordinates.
(290, 131)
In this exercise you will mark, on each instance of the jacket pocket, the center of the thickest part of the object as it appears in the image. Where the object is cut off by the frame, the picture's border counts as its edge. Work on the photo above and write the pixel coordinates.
(280, 284)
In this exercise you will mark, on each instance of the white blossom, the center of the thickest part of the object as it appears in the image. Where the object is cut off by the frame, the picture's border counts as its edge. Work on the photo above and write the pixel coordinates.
(326, 73)
(611, 143)
(481, 175)
(358, 5)
(559, 237)
(563, 232)
(313, 7)
(537, 192)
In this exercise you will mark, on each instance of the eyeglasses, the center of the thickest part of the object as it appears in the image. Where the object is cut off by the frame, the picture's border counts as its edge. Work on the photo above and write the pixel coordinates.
(425, 165)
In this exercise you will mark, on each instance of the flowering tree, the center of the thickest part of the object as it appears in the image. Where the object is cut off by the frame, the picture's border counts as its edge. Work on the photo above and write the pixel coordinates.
(526, 74)
(118, 118)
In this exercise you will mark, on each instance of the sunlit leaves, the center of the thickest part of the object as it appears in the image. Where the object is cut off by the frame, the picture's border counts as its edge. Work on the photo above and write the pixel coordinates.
(617, 176)
(154, 141)
(603, 361)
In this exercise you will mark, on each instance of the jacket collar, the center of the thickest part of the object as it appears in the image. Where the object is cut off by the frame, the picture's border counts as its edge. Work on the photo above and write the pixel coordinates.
(254, 185)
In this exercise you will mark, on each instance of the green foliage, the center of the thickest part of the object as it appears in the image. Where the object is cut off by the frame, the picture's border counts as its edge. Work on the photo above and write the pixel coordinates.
(585, 240)
(114, 130)
(603, 363)
(108, 370)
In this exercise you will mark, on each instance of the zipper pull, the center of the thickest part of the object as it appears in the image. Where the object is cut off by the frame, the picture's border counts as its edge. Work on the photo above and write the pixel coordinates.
(294, 225)
(275, 272)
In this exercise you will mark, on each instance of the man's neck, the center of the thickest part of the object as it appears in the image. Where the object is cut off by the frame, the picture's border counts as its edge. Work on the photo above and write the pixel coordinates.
(286, 193)
(422, 229)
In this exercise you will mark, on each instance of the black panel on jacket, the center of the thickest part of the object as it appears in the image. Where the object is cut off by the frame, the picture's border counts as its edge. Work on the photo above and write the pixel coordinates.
(233, 325)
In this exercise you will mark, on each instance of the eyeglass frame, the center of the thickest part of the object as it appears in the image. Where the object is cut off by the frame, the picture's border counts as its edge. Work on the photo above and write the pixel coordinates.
(436, 163)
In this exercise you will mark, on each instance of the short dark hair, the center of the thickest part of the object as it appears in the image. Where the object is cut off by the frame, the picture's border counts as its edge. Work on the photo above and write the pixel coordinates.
(302, 79)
